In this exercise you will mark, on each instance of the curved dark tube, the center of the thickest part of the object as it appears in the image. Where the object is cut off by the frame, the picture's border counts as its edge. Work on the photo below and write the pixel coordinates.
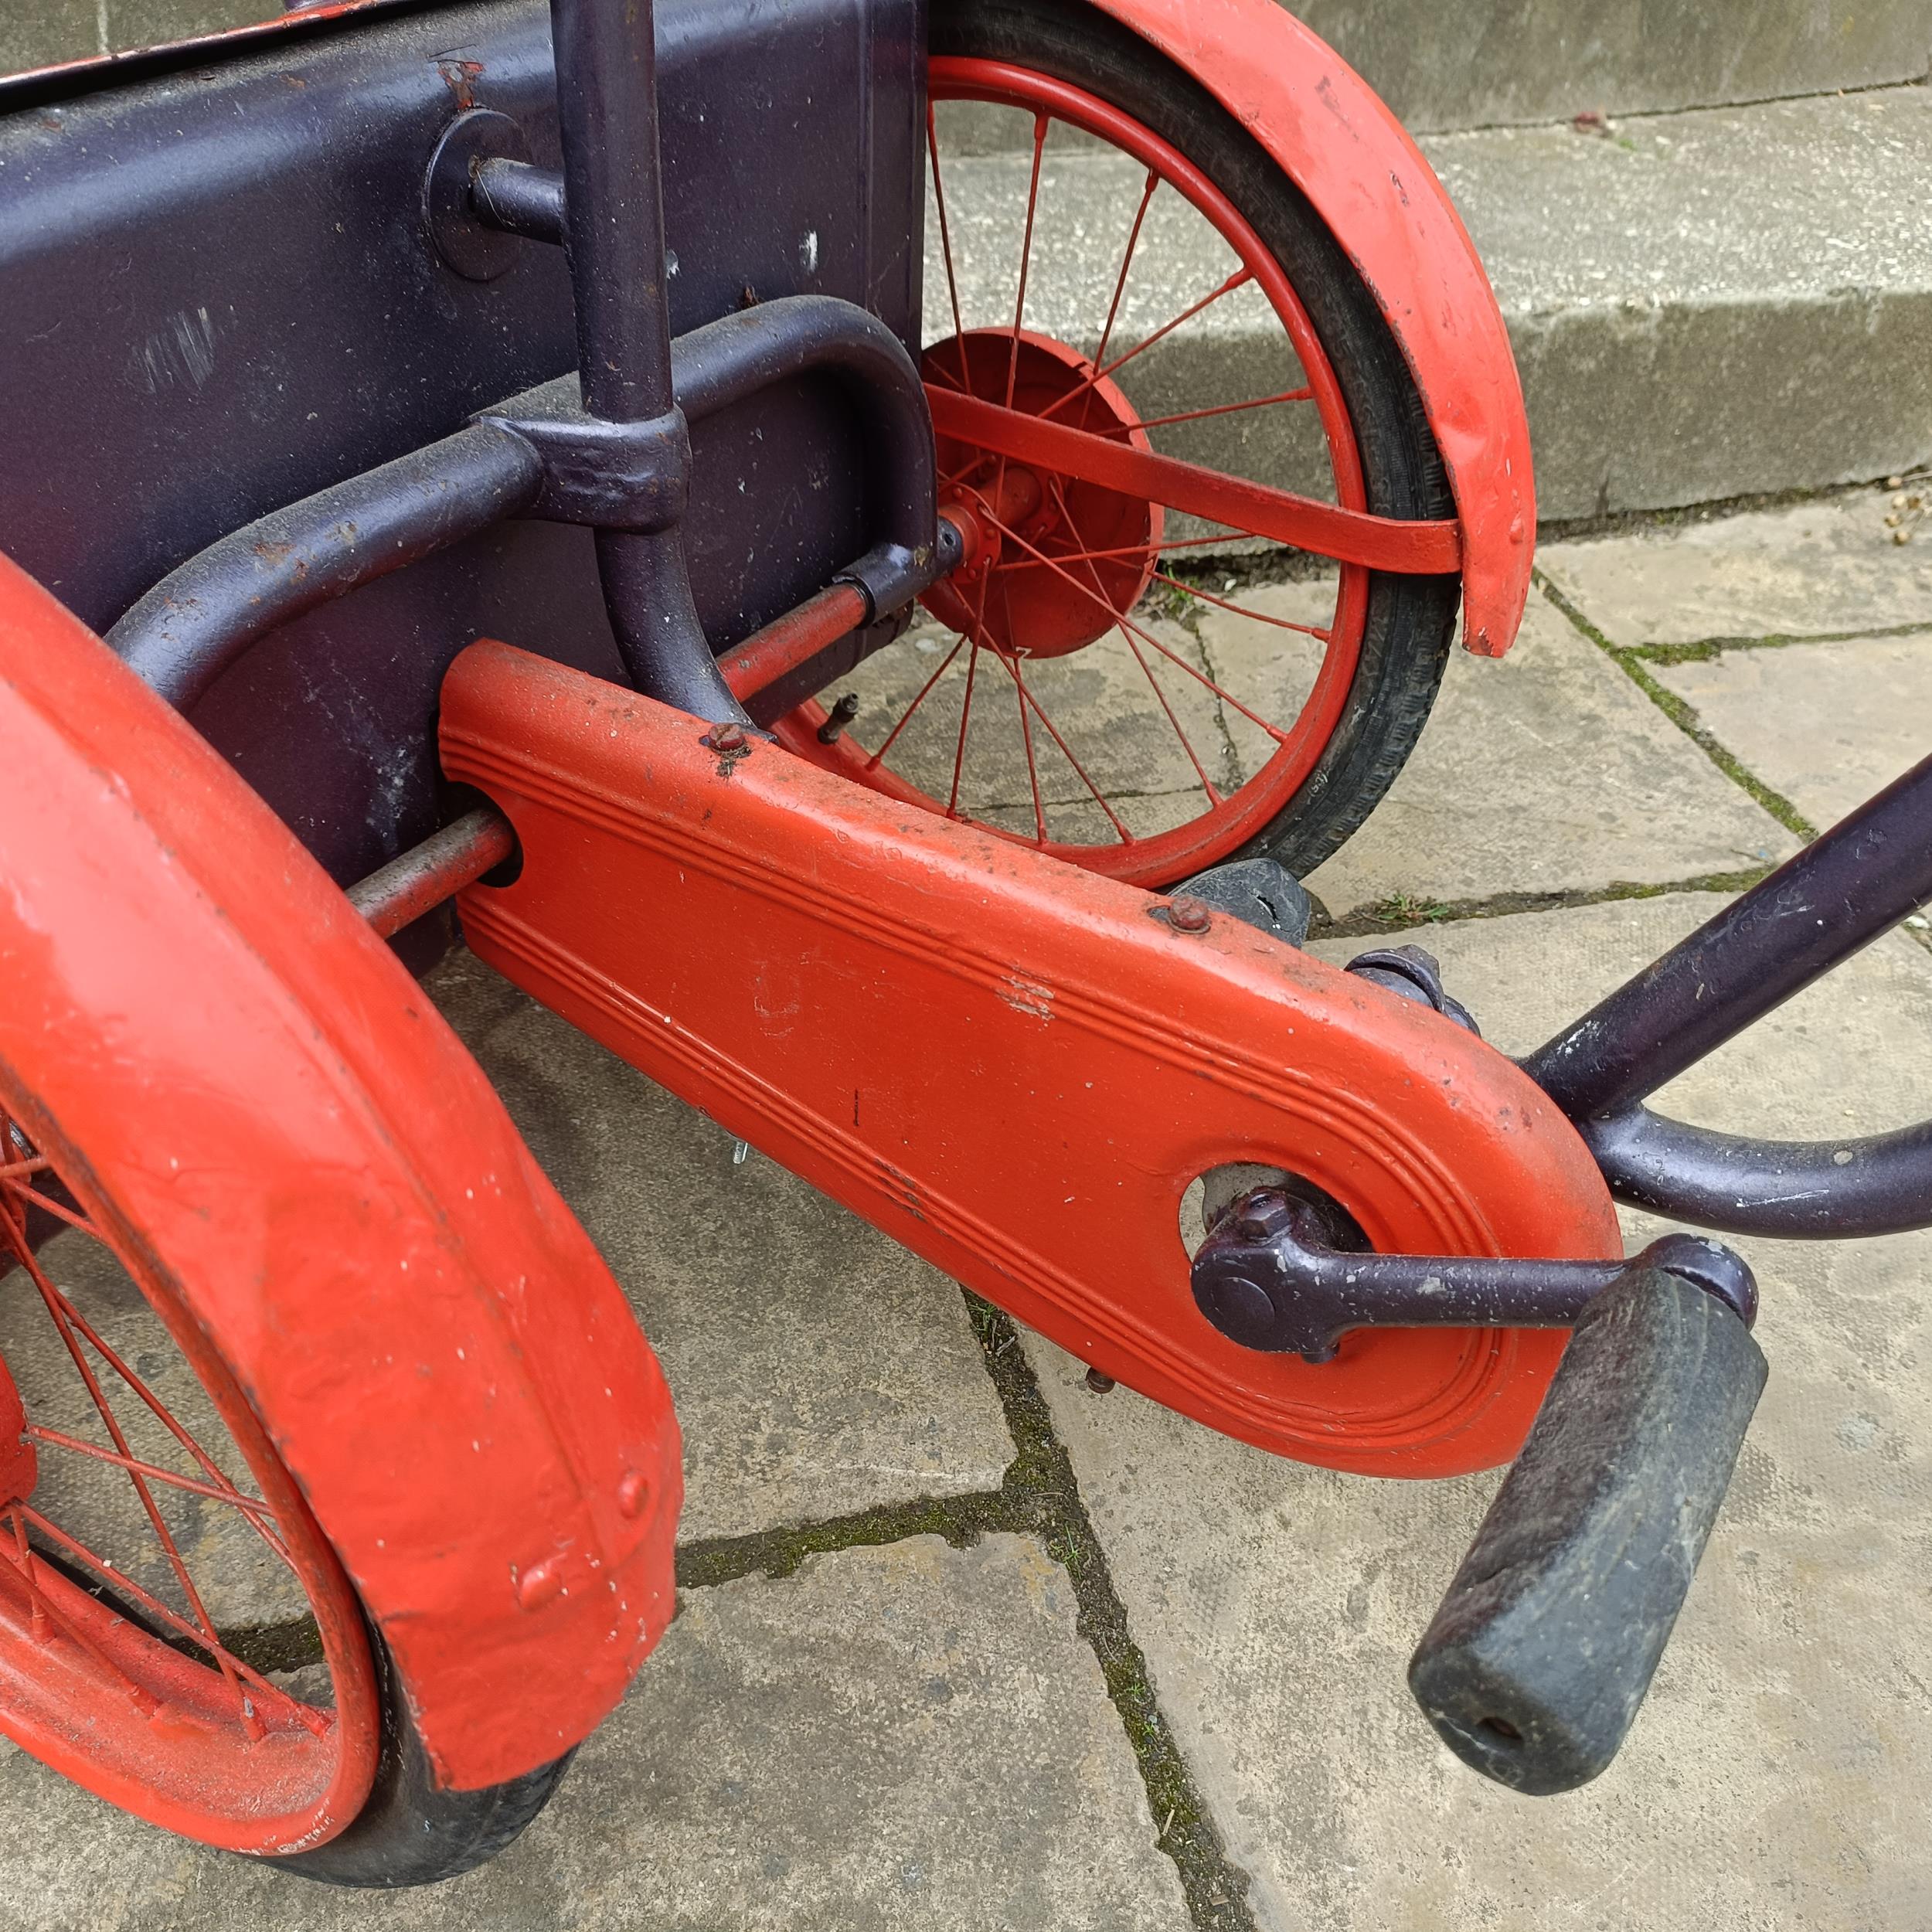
(200, 618)
(1822, 1190)
(734, 357)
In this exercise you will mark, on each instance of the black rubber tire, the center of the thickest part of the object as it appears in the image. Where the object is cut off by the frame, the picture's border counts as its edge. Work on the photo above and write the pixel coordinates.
(411, 1832)
(1405, 646)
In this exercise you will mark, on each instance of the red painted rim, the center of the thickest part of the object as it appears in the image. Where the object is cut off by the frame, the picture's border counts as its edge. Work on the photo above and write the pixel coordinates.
(131, 1690)
(1228, 820)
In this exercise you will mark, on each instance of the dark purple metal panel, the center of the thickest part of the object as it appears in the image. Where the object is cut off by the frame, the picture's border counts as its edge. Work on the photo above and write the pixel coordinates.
(217, 296)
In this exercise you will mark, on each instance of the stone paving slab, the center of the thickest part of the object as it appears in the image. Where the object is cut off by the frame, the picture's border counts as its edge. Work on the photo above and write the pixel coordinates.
(1826, 725)
(1702, 305)
(1775, 1777)
(1547, 771)
(909, 1737)
(818, 1368)
(1825, 566)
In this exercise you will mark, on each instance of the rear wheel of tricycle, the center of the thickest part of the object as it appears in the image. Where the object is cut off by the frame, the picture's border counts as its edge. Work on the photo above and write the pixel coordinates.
(1143, 694)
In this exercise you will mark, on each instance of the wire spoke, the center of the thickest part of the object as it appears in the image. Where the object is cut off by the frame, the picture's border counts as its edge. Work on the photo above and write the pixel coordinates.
(1026, 739)
(57, 1439)
(1200, 770)
(959, 645)
(1053, 731)
(1127, 262)
(965, 717)
(1242, 610)
(1040, 125)
(211, 1469)
(1239, 279)
(1146, 637)
(317, 1721)
(1195, 416)
(946, 245)
(48, 1617)
(54, 1302)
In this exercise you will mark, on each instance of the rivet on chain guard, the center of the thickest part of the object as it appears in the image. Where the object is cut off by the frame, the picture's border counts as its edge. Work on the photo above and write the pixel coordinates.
(1012, 1068)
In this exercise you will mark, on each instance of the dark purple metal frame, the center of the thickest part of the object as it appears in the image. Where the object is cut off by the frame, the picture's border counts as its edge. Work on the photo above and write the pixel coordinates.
(1852, 884)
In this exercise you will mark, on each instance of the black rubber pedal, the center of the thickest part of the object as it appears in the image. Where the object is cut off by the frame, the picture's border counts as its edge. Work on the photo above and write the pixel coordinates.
(1544, 1646)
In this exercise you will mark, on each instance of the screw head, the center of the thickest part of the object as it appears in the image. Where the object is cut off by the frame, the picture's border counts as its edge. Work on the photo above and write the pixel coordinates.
(1098, 1384)
(725, 737)
(634, 1491)
(1189, 916)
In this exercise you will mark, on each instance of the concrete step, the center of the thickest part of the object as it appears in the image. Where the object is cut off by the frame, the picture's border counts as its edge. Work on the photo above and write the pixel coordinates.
(1704, 306)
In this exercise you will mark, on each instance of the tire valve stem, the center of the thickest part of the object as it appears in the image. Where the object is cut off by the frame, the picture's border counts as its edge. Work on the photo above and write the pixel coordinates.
(841, 714)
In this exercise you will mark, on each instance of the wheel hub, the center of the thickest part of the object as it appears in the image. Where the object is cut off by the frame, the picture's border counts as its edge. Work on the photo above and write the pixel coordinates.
(1056, 560)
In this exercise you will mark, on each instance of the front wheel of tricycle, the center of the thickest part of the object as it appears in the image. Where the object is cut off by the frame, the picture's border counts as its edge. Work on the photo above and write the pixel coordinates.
(251, 1191)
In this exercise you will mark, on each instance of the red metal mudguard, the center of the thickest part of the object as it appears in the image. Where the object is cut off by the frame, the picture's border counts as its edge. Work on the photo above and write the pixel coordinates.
(275, 1115)
(1014, 1067)
(1344, 149)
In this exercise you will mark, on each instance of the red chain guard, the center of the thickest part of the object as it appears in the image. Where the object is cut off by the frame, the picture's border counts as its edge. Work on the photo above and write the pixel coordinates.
(1010, 1066)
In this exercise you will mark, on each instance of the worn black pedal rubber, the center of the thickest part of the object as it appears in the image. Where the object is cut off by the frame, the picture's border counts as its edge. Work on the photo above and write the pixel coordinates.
(1544, 1646)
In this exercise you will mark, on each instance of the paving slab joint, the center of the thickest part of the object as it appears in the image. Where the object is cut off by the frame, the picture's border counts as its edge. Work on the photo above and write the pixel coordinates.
(1704, 650)
(1684, 717)
(1044, 1498)
(1039, 1498)
(1402, 911)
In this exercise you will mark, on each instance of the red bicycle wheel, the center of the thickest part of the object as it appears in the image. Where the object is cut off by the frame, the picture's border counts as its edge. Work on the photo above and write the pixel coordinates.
(175, 1632)
(1066, 686)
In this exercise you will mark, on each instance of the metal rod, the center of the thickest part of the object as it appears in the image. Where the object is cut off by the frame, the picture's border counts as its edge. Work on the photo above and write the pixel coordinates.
(419, 880)
(614, 239)
(200, 618)
(519, 198)
(794, 639)
(1853, 883)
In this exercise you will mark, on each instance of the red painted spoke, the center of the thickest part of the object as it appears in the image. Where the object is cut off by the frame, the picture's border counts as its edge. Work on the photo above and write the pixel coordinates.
(317, 1721)
(965, 717)
(1200, 770)
(160, 1411)
(1026, 739)
(19, 1170)
(1066, 752)
(946, 244)
(38, 1623)
(1242, 610)
(46, 1614)
(54, 1438)
(1146, 637)
(1220, 409)
(55, 1302)
(22, 1192)
(959, 645)
(1127, 262)
(1040, 125)
(1137, 549)
(1239, 279)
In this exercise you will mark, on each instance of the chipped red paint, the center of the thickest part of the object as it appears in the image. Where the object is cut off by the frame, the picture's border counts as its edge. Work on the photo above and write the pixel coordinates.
(1369, 181)
(1004, 1063)
(276, 1117)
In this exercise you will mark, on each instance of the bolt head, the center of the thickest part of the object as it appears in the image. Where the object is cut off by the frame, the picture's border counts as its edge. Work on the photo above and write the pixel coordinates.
(725, 737)
(1189, 916)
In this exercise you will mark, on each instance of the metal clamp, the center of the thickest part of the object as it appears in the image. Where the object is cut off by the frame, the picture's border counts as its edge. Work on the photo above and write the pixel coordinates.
(613, 476)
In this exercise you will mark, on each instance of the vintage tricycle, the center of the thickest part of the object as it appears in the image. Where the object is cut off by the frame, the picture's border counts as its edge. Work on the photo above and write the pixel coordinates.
(647, 485)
